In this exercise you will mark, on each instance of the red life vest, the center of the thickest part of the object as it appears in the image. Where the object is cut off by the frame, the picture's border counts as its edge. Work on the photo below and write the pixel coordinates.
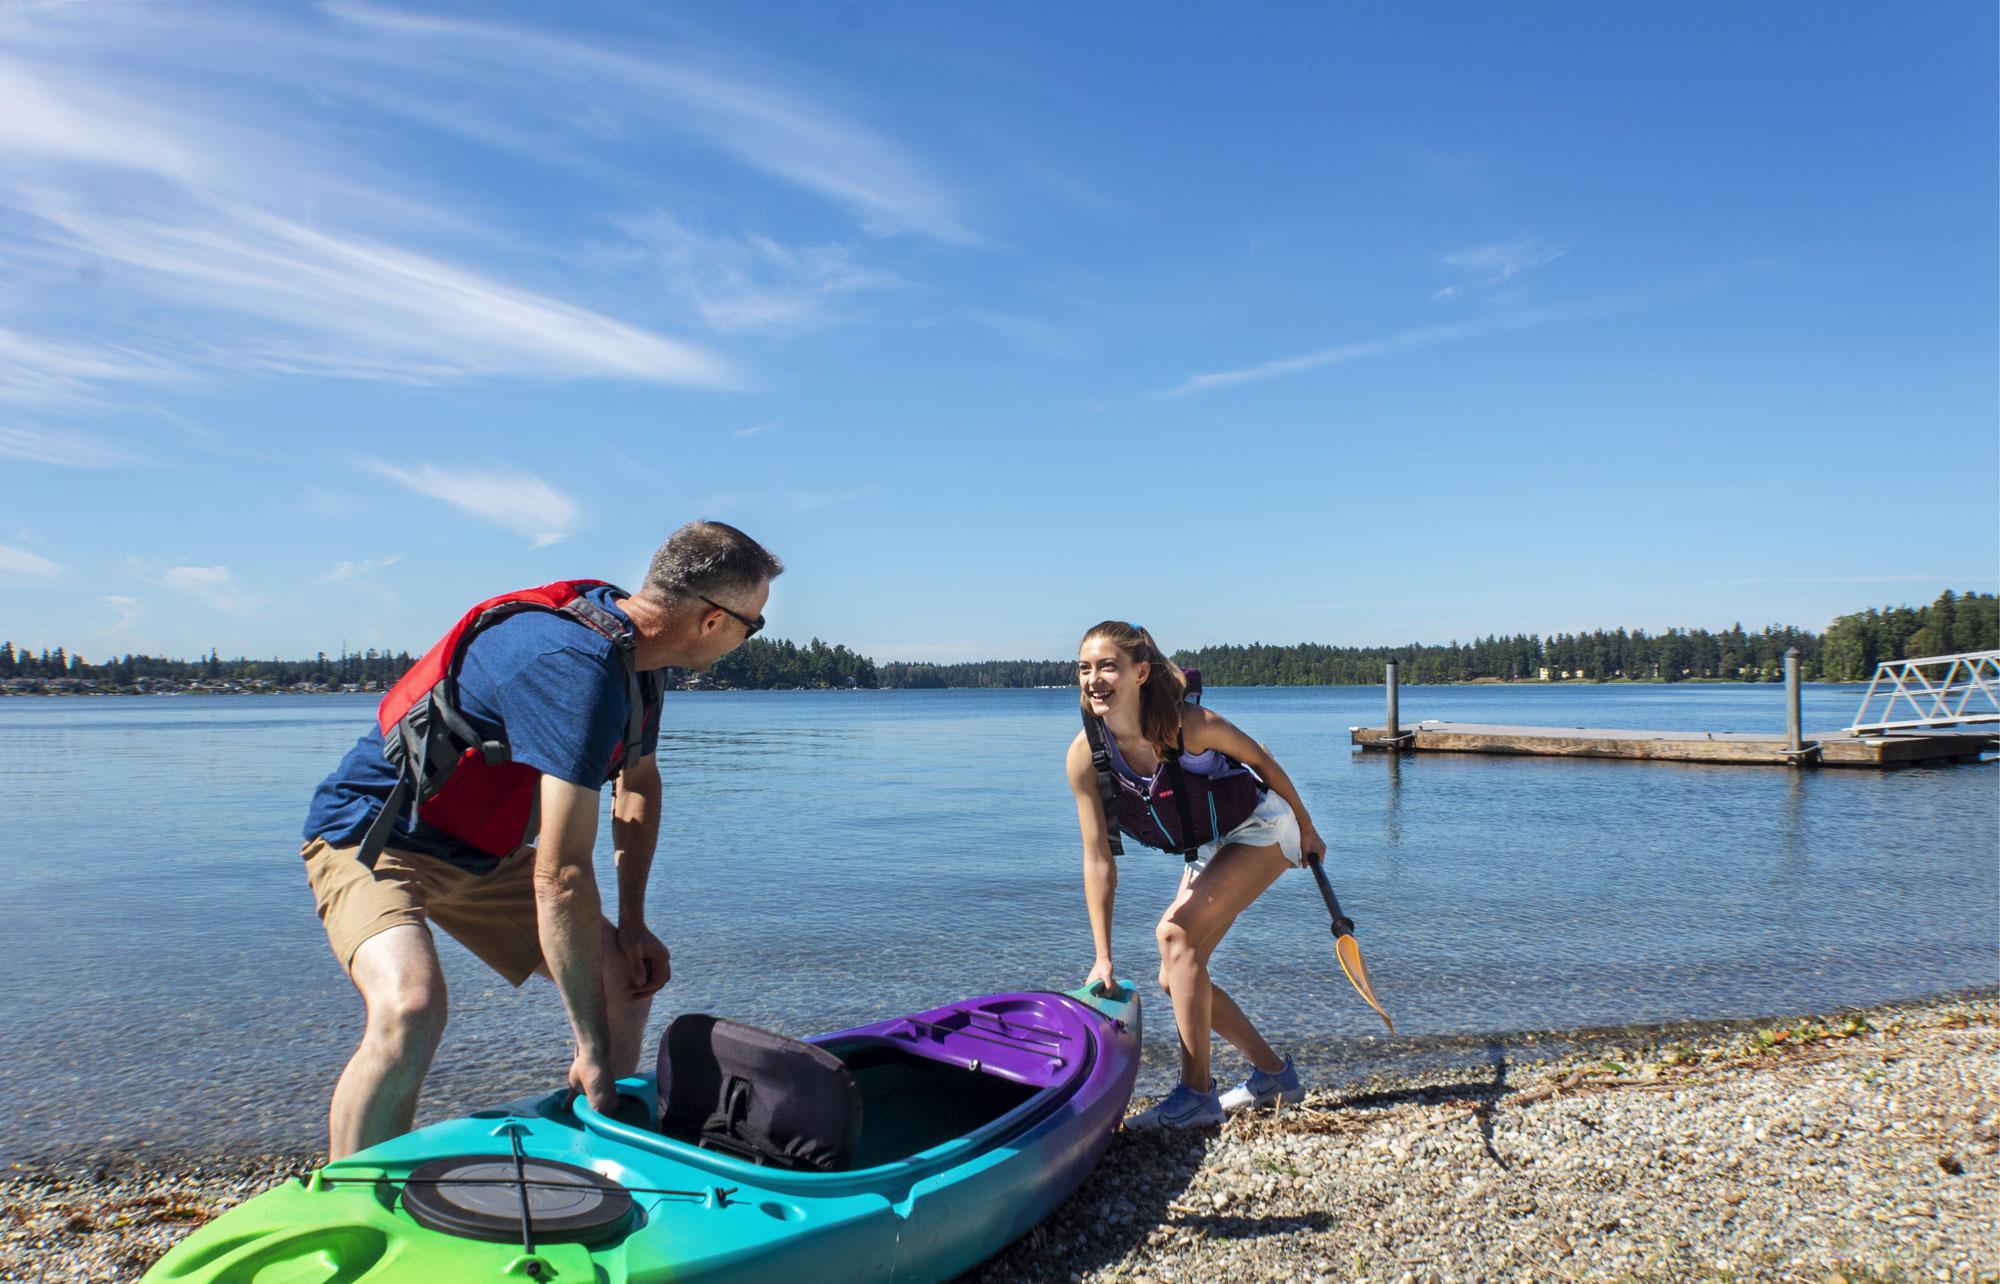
(462, 785)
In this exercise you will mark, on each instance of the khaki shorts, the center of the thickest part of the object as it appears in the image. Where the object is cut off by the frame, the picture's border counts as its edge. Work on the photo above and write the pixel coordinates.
(493, 915)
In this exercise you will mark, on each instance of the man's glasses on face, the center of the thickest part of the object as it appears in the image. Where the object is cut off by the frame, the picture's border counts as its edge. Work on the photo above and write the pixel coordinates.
(751, 628)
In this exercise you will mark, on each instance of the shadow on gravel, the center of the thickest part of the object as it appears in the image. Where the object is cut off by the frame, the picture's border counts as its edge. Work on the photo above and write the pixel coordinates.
(1128, 1196)
(1223, 1227)
(1482, 1096)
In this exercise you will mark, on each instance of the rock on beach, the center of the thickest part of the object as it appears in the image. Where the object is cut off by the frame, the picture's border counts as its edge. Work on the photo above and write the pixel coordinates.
(1864, 1147)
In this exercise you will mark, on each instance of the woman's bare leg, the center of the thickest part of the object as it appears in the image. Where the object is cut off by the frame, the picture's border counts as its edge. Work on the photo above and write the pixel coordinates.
(1188, 934)
(1228, 1020)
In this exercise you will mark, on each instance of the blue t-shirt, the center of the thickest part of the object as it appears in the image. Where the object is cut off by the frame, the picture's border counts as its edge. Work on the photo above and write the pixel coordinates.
(552, 688)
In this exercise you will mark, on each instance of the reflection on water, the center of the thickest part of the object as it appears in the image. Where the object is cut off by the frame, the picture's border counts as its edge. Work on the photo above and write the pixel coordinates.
(830, 858)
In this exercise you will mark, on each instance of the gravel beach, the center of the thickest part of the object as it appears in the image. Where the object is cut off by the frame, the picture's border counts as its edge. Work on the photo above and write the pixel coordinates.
(1858, 1147)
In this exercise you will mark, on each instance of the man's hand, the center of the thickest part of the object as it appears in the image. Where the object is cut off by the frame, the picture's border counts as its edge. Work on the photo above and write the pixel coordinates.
(647, 961)
(589, 1076)
(1311, 845)
(1100, 974)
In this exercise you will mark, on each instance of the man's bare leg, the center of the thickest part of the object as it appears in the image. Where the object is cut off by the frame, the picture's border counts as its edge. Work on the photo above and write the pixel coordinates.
(398, 976)
(626, 1012)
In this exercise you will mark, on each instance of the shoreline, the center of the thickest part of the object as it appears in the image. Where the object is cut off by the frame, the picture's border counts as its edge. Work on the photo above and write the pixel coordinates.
(1219, 686)
(1861, 1145)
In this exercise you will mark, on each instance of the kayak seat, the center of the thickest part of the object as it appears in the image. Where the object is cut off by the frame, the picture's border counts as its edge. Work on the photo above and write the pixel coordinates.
(757, 1095)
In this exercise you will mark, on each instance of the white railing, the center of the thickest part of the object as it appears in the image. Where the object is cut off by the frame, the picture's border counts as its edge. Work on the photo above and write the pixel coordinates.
(1935, 691)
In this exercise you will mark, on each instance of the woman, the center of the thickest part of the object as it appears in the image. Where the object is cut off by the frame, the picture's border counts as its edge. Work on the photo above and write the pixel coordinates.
(1170, 773)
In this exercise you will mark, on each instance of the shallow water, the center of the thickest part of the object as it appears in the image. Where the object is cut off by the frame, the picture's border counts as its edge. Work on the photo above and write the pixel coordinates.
(834, 857)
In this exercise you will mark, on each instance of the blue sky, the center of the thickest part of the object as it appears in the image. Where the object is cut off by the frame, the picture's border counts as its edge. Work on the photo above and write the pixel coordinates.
(1353, 324)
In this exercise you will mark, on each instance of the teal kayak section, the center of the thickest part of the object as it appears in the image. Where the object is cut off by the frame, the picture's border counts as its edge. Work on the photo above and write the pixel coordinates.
(1035, 1083)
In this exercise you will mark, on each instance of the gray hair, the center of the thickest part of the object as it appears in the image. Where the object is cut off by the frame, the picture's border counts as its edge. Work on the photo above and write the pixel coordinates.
(711, 559)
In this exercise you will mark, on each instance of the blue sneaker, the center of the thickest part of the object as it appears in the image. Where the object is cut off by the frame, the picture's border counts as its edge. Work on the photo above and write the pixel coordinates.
(1262, 1089)
(1183, 1108)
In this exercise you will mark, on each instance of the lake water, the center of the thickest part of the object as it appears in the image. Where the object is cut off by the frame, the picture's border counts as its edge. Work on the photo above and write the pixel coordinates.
(830, 858)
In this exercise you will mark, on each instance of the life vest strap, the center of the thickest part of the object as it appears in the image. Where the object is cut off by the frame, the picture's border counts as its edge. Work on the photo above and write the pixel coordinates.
(603, 622)
(377, 836)
(1178, 779)
(1107, 782)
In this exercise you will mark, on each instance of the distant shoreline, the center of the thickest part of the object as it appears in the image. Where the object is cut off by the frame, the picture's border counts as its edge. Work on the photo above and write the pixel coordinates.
(86, 692)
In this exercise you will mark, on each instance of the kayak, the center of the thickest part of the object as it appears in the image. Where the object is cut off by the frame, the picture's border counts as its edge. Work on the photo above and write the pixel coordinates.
(975, 1120)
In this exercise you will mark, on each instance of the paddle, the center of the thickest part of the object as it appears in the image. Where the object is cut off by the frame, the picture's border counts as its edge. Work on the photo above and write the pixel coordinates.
(1344, 946)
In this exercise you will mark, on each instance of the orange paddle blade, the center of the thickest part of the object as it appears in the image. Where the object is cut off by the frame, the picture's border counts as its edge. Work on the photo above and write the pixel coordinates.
(1349, 953)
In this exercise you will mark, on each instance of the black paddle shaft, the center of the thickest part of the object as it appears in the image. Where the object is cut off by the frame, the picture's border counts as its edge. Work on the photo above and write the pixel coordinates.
(1342, 925)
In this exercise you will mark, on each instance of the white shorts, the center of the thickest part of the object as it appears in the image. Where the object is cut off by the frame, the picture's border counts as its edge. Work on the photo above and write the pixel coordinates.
(1272, 822)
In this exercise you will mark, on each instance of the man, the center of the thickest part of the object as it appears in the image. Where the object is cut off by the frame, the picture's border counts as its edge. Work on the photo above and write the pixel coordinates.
(503, 737)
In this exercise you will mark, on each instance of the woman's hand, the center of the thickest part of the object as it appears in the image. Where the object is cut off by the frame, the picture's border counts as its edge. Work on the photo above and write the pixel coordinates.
(1100, 974)
(1311, 845)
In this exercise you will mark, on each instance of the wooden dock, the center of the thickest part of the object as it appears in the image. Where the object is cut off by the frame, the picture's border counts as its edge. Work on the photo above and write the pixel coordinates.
(1835, 748)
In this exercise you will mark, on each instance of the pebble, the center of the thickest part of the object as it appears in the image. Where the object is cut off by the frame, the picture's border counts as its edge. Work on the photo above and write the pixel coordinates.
(1734, 1163)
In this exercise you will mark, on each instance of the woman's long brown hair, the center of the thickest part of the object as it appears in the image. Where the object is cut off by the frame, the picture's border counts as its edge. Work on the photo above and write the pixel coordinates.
(1161, 698)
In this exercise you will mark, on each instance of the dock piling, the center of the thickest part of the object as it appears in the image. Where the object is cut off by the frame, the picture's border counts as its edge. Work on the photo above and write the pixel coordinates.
(1794, 733)
(1797, 751)
(1396, 739)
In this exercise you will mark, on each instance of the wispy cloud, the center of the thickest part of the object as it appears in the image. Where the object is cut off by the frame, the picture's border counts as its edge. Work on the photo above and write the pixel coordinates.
(321, 502)
(780, 132)
(517, 501)
(324, 303)
(1419, 338)
(348, 572)
(213, 586)
(46, 371)
(1483, 267)
(626, 461)
(720, 502)
(19, 563)
(805, 501)
(129, 610)
(200, 168)
(1028, 331)
(1431, 335)
(62, 448)
(355, 575)
(139, 161)
(750, 282)
(753, 430)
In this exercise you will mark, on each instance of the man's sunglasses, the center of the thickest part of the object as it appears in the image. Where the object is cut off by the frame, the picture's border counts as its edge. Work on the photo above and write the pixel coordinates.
(751, 628)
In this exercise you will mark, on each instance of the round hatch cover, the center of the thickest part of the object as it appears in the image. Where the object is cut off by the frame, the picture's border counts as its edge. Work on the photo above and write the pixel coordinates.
(479, 1197)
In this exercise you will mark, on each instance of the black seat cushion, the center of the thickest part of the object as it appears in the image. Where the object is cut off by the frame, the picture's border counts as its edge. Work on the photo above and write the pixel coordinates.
(757, 1095)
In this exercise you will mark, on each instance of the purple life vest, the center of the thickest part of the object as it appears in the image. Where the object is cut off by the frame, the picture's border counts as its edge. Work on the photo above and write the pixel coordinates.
(1174, 810)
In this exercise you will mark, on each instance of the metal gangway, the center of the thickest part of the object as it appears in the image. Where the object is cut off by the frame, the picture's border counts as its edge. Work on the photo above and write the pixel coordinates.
(1934, 691)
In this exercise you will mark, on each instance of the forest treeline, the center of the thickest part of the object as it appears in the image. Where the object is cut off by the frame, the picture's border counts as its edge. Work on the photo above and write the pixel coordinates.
(1848, 651)
(129, 671)
(760, 665)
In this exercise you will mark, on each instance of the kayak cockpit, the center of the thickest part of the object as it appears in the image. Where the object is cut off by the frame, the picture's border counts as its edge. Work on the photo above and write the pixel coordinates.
(935, 1087)
(910, 1103)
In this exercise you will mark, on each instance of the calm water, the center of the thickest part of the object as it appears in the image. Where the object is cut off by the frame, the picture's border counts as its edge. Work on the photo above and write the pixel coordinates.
(830, 858)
